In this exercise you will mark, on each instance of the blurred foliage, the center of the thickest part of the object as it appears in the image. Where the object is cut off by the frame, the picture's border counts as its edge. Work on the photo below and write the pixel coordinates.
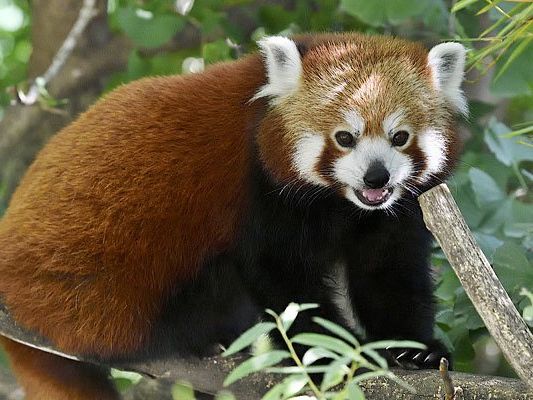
(493, 182)
(15, 46)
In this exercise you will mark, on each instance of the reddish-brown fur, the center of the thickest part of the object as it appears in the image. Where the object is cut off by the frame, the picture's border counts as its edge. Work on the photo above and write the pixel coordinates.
(48, 377)
(124, 203)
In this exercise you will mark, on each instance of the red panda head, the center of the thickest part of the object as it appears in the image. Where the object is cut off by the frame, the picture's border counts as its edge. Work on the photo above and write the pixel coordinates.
(370, 116)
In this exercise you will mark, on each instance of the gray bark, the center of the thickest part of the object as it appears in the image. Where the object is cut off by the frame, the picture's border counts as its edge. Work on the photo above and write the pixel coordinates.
(506, 326)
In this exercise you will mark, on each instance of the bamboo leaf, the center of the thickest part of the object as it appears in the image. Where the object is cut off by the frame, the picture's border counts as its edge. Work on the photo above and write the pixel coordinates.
(462, 4)
(516, 52)
(248, 337)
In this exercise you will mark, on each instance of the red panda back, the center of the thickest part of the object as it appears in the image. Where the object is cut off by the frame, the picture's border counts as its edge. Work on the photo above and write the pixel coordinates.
(124, 203)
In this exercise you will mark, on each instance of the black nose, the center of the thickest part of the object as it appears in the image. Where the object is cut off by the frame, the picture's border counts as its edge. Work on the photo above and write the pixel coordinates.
(376, 176)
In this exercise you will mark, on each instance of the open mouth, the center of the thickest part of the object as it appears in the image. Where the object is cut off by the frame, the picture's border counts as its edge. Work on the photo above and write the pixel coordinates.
(373, 197)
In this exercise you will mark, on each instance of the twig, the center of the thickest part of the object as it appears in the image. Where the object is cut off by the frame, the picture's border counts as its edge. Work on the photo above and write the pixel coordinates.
(449, 390)
(87, 12)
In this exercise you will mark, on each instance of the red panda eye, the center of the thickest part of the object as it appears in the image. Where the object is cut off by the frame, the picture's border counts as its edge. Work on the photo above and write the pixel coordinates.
(345, 138)
(400, 138)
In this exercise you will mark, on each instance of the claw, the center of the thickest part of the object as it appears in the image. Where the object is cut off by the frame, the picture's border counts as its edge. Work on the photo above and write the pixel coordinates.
(402, 354)
(417, 356)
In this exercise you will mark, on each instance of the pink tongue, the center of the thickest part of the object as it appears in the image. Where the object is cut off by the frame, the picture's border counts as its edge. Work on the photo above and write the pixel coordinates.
(373, 194)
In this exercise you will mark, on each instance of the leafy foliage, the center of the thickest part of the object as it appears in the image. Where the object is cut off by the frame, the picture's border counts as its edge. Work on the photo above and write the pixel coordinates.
(340, 355)
(15, 46)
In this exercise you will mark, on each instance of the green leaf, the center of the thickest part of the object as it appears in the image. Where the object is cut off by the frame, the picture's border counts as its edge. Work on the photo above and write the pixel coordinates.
(517, 79)
(466, 200)
(448, 285)
(249, 336)
(327, 342)
(288, 316)
(376, 357)
(487, 192)
(391, 344)
(286, 388)
(355, 392)
(148, 29)
(294, 384)
(527, 313)
(296, 370)
(225, 395)
(123, 380)
(517, 51)
(275, 393)
(275, 18)
(382, 12)
(216, 51)
(464, 308)
(335, 373)
(182, 391)
(512, 266)
(462, 4)
(507, 150)
(317, 353)
(255, 364)
(488, 244)
(337, 330)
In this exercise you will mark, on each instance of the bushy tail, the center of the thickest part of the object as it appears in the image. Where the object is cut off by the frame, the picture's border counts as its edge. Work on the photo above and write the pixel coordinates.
(46, 376)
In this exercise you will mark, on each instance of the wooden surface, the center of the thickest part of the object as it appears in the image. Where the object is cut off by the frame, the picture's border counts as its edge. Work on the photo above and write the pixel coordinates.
(506, 326)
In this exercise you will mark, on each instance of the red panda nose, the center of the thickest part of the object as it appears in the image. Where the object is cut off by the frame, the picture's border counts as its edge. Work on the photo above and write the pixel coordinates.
(376, 176)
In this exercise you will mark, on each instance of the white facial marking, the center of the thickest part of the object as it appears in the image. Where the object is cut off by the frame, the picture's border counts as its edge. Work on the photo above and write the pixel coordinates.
(447, 62)
(433, 144)
(392, 121)
(308, 150)
(369, 89)
(351, 168)
(283, 67)
(354, 121)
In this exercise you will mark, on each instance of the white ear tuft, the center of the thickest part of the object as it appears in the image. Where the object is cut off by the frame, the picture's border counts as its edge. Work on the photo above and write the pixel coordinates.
(447, 62)
(283, 66)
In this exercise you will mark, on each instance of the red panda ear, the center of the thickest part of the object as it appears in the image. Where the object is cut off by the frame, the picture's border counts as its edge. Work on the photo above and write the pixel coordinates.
(283, 66)
(447, 62)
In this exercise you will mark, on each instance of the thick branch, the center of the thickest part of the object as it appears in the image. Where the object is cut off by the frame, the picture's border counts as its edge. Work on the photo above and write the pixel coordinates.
(444, 220)
(87, 12)
(207, 375)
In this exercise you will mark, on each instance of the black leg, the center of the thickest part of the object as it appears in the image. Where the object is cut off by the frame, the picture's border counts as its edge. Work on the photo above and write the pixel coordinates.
(391, 288)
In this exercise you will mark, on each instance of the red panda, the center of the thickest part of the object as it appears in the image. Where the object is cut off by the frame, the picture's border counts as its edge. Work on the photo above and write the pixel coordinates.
(140, 227)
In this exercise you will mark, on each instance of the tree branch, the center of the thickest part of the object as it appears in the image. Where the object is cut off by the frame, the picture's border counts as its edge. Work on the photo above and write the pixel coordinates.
(87, 12)
(207, 374)
(444, 220)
